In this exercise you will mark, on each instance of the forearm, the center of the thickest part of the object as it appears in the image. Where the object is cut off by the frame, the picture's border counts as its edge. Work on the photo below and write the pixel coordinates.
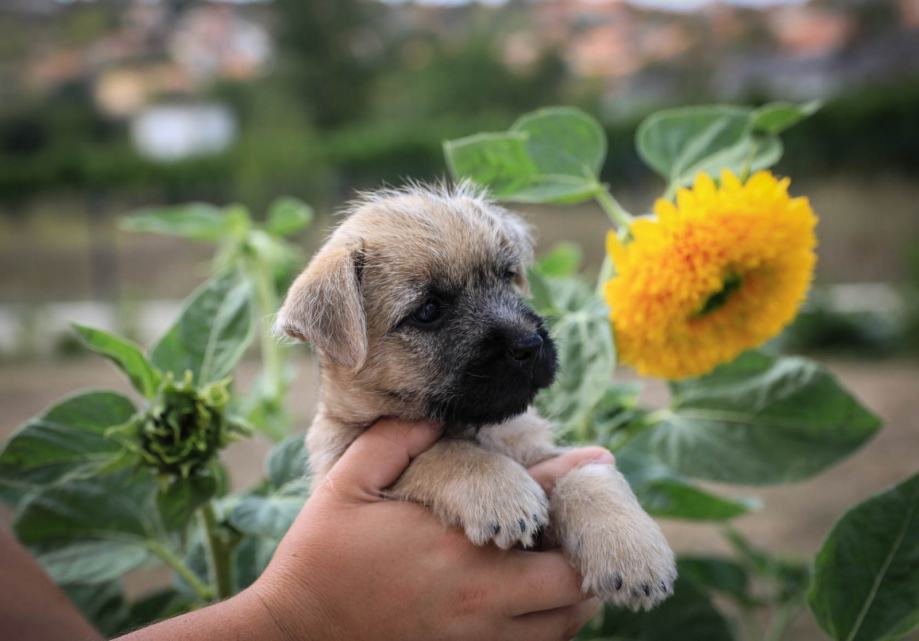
(243, 617)
(33, 607)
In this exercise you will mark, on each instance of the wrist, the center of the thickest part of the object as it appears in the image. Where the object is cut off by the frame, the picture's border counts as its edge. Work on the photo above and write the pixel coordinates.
(288, 607)
(262, 616)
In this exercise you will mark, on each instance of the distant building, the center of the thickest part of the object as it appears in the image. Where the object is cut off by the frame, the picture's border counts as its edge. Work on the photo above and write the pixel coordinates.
(155, 51)
(174, 132)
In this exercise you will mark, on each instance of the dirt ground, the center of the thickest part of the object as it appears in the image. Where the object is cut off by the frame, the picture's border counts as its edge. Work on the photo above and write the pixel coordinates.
(794, 519)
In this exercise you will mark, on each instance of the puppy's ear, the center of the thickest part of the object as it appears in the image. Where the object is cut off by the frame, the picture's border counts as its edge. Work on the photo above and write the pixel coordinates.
(325, 307)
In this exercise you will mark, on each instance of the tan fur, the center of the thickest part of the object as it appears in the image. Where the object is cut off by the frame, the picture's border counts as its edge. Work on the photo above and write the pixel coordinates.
(346, 303)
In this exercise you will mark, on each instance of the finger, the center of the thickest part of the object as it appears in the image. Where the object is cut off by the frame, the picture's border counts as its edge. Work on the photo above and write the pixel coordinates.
(550, 470)
(538, 581)
(560, 624)
(379, 456)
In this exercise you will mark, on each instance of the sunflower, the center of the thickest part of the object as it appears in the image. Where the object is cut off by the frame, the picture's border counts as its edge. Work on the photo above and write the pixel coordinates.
(722, 270)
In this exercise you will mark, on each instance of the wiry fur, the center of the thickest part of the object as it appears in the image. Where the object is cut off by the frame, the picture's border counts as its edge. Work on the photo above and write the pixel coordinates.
(352, 302)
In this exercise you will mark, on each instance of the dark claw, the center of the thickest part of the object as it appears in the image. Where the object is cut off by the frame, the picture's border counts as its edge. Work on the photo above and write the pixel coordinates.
(523, 525)
(495, 528)
(615, 581)
(663, 587)
(535, 518)
(646, 589)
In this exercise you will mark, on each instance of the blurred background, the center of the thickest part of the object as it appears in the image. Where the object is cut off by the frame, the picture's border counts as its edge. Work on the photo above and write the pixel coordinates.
(111, 105)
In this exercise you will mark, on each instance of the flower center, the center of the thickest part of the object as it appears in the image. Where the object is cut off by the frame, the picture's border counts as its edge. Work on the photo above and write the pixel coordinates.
(732, 283)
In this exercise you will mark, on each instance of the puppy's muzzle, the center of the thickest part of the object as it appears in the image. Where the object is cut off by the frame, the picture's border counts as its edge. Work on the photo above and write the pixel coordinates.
(525, 349)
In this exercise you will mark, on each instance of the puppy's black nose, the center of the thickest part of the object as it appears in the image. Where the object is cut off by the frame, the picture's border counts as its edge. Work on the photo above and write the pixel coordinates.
(525, 348)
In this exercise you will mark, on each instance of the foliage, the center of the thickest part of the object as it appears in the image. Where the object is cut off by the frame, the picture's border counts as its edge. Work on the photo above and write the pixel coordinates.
(761, 419)
(103, 484)
(263, 263)
(872, 551)
(322, 43)
(60, 145)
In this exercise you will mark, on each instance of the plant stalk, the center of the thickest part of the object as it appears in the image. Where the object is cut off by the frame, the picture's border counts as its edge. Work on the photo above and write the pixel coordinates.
(606, 272)
(218, 553)
(272, 358)
(204, 591)
(272, 352)
(779, 624)
(617, 213)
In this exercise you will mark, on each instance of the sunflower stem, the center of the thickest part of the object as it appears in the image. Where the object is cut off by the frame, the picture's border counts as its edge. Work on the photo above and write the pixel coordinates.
(670, 193)
(780, 622)
(201, 589)
(217, 552)
(606, 272)
(620, 217)
(273, 353)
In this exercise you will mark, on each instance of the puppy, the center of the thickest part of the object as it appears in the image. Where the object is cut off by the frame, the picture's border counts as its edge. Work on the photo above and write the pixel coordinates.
(414, 306)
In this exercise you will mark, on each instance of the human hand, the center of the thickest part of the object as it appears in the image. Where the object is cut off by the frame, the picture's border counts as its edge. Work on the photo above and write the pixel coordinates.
(355, 566)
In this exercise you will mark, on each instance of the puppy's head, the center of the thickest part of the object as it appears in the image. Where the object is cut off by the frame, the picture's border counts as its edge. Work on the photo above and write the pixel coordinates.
(417, 299)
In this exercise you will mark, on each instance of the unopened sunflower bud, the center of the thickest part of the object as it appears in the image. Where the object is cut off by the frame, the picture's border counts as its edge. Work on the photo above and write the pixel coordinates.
(184, 427)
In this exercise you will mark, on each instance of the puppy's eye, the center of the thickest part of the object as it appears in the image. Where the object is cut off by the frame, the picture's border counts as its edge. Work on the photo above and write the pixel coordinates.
(427, 314)
(509, 274)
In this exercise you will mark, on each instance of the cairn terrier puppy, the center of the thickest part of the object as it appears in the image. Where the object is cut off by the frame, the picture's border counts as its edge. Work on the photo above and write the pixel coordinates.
(415, 307)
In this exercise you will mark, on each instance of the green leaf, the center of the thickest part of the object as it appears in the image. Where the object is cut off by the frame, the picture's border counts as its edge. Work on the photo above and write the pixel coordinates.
(540, 292)
(563, 141)
(272, 251)
(790, 576)
(102, 604)
(563, 260)
(157, 606)
(197, 221)
(251, 557)
(760, 420)
(68, 440)
(688, 615)
(751, 154)
(179, 499)
(211, 333)
(287, 461)
(126, 355)
(498, 161)
(117, 508)
(677, 499)
(579, 324)
(616, 417)
(288, 215)
(555, 190)
(718, 574)
(867, 571)
(92, 561)
(666, 494)
(678, 143)
(269, 516)
(539, 161)
(776, 117)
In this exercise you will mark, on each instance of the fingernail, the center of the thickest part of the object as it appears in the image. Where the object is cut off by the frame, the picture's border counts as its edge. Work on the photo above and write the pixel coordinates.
(606, 458)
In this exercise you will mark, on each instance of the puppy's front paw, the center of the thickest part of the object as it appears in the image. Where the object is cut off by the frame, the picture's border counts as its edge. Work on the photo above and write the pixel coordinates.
(488, 495)
(619, 550)
(512, 510)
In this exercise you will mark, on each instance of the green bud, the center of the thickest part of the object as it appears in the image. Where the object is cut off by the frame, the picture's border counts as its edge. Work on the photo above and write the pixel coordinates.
(184, 427)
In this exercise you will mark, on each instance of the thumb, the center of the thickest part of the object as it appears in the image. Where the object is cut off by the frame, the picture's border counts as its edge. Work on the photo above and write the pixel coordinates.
(378, 457)
(550, 470)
